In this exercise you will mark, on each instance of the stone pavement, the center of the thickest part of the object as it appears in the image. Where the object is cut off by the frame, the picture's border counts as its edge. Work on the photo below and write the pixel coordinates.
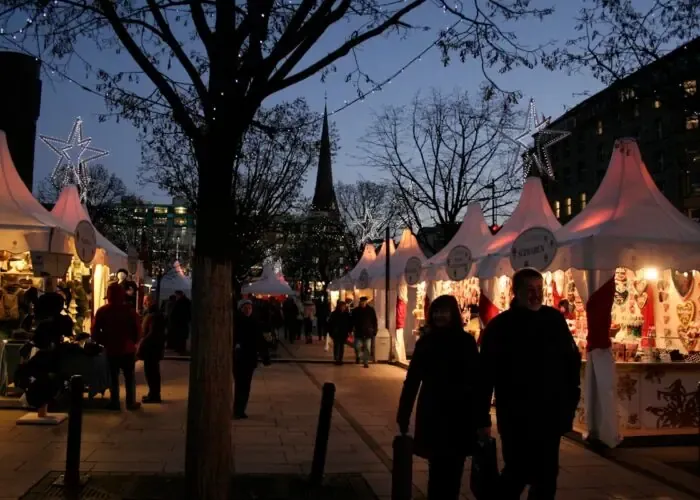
(278, 437)
(302, 351)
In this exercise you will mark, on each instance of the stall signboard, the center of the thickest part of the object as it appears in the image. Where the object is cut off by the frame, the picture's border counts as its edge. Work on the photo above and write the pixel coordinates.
(50, 264)
(535, 248)
(85, 241)
(459, 262)
(132, 260)
(363, 280)
(413, 270)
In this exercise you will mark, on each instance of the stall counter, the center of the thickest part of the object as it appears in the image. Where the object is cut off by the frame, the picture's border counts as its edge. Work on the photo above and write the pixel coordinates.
(653, 399)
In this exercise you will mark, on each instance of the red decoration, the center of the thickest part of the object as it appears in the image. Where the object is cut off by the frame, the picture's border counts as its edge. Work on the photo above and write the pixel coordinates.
(648, 315)
(599, 314)
(400, 313)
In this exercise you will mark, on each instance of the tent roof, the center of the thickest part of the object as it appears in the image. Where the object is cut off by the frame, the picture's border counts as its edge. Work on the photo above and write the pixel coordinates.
(533, 210)
(69, 212)
(378, 268)
(408, 247)
(270, 283)
(174, 280)
(473, 233)
(628, 222)
(369, 255)
(20, 212)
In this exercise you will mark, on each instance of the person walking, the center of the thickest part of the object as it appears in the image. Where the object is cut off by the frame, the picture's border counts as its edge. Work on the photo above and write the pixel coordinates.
(364, 320)
(530, 359)
(443, 375)
(152, 348)
(290, 312)
(339, 327)
(322, 314)
(117, 327)
(309, 318)
(249, 344)
(179, 322)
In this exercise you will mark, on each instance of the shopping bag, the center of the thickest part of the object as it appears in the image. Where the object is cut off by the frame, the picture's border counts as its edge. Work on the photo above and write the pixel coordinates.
(484, 473)
(402, 468)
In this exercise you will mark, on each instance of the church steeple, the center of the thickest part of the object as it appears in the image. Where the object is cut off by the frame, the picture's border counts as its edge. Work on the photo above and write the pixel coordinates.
(324, 193)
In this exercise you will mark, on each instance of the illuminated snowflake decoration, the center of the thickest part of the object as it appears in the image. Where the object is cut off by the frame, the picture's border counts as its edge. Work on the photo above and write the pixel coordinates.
(532, 142)
(74, 155)
(370, 227)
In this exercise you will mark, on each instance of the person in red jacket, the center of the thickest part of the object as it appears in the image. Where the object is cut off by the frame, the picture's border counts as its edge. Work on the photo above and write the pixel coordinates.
(118, 328)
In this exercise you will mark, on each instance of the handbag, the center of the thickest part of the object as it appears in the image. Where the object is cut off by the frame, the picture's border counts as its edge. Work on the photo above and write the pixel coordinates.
(484, 474)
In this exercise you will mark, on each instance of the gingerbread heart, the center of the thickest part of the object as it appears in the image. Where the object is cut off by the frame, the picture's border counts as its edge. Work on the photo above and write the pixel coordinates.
(640, 286)
(683, 283)
(666, 306)
(641, 299)
(686, 313)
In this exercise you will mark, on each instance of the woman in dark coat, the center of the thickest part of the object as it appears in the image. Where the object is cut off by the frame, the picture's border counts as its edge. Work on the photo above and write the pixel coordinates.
(444, 368)
(152, 349)
(339, 327)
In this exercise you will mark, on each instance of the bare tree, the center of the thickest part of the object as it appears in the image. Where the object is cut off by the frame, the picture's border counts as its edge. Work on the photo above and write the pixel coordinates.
(269, 174)
(208, 66)
(618, 37)
(442, 153)
(368, 208)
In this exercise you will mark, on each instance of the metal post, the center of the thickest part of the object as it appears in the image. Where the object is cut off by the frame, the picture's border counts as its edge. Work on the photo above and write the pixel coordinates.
(322, 433)
(493, 203)
(72, 479)
(387, 294)
(402, 468)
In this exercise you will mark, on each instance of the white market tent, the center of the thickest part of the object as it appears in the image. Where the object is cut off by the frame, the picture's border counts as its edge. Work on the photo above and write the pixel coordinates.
(533, 210)
(408, 248)
(25, 224)
(69, 212)
(174, 280)
(474, 234)
(377, 271)
(627, 223)
(270, 283)
(347, 282)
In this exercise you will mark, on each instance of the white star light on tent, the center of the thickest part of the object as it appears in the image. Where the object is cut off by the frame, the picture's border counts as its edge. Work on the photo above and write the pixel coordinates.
(535, 139)
(74, 154)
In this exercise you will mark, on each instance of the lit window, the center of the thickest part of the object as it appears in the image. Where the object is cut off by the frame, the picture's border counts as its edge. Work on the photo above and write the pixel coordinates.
(690, 87)
(599, 130)
(568, 206)
(180, 210)
(557, 209)
(691, 123)
(657, 104)
(160, 210)
(160, 221)
(180, 221)
(583, 201)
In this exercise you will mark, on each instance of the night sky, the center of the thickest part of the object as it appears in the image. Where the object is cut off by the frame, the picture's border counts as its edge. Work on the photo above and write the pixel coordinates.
(62, 101)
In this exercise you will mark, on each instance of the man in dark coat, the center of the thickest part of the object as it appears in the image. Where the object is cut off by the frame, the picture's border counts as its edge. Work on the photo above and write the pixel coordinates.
(364, 321)
(179, 322)
(339, 327)
(249, 344)
(290, 311)
(529, 358)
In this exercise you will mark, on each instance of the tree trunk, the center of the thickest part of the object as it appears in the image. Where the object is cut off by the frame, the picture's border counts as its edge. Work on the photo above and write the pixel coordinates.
(209, 454)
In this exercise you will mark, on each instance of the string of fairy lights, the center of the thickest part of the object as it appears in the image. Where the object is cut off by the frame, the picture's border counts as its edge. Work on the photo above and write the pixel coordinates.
(11, 37)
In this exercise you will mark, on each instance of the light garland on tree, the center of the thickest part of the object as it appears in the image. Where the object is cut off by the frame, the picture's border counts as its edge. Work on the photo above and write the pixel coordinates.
(535, 138)
(72, 166)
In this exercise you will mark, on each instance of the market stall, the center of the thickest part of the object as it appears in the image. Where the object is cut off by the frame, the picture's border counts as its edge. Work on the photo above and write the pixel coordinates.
(404, 272)
(450, 271)
(174, 280)
(371, 288)
(493, 266)
(270, 284)
(93, 277)
(633, 257)
(33, 245)
(345, 287)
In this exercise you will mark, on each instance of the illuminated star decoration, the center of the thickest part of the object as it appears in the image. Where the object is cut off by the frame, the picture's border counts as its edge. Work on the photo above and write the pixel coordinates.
(74, 154)
(368, 225)
(534, 139)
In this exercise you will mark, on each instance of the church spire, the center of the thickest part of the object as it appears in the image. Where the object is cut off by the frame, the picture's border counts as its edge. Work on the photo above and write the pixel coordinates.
(324, 193)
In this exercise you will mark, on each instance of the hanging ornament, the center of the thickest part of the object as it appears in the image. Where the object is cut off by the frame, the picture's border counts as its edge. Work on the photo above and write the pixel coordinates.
(74, 155)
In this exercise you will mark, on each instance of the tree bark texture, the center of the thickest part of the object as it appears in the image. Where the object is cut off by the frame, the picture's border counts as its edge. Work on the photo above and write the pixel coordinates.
(209, 453)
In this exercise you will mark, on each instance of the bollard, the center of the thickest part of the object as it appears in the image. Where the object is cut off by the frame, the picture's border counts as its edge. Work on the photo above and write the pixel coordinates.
(322, 433)
(402, 468)
(72, 479)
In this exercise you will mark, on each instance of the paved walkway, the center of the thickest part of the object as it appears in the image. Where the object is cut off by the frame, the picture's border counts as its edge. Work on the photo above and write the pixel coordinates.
(278, 437)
